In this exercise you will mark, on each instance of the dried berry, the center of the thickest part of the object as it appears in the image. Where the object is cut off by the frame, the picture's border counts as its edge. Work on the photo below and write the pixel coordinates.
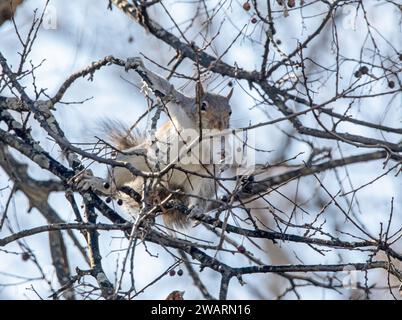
(364, 70)
(119, 202)
(391, 84)
(25, 256)
(400, 56)
(108, 199)
(172, 273)
(180, 272)
(253, 20)
(246, 6)
(291, 3)
(241, 249)
(358, 74)
(278, 42)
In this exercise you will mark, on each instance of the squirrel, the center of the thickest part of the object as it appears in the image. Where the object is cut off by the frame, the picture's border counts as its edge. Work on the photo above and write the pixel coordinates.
(194, 181)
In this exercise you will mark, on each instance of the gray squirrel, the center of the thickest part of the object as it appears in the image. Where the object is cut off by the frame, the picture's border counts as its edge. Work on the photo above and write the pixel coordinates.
(195, 180)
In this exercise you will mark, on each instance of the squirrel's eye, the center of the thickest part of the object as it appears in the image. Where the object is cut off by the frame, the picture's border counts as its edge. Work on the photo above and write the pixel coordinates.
(230, 112)
(203, 106)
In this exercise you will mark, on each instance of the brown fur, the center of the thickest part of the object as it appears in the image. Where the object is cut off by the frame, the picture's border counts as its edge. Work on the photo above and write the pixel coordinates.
(172, 214)
(120, 135)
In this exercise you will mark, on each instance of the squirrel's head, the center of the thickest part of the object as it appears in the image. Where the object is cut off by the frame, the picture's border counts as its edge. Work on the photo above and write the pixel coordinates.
(215, 109)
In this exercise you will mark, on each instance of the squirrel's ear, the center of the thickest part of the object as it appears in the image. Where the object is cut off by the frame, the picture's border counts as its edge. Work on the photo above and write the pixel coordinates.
(229, 94)
(199, 90)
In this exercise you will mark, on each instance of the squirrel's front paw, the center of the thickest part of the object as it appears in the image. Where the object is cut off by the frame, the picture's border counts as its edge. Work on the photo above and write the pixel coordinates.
(86, 180)
(195, 211)
(134, 63)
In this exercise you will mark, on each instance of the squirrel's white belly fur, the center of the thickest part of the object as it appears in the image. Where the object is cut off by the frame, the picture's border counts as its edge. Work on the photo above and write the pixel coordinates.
(194, 180)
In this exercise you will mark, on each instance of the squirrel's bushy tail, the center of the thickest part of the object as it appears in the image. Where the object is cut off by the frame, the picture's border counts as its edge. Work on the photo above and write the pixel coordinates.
(119, 134)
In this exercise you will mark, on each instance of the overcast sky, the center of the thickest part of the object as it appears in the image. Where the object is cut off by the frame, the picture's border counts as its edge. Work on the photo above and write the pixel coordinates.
(85, 31)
